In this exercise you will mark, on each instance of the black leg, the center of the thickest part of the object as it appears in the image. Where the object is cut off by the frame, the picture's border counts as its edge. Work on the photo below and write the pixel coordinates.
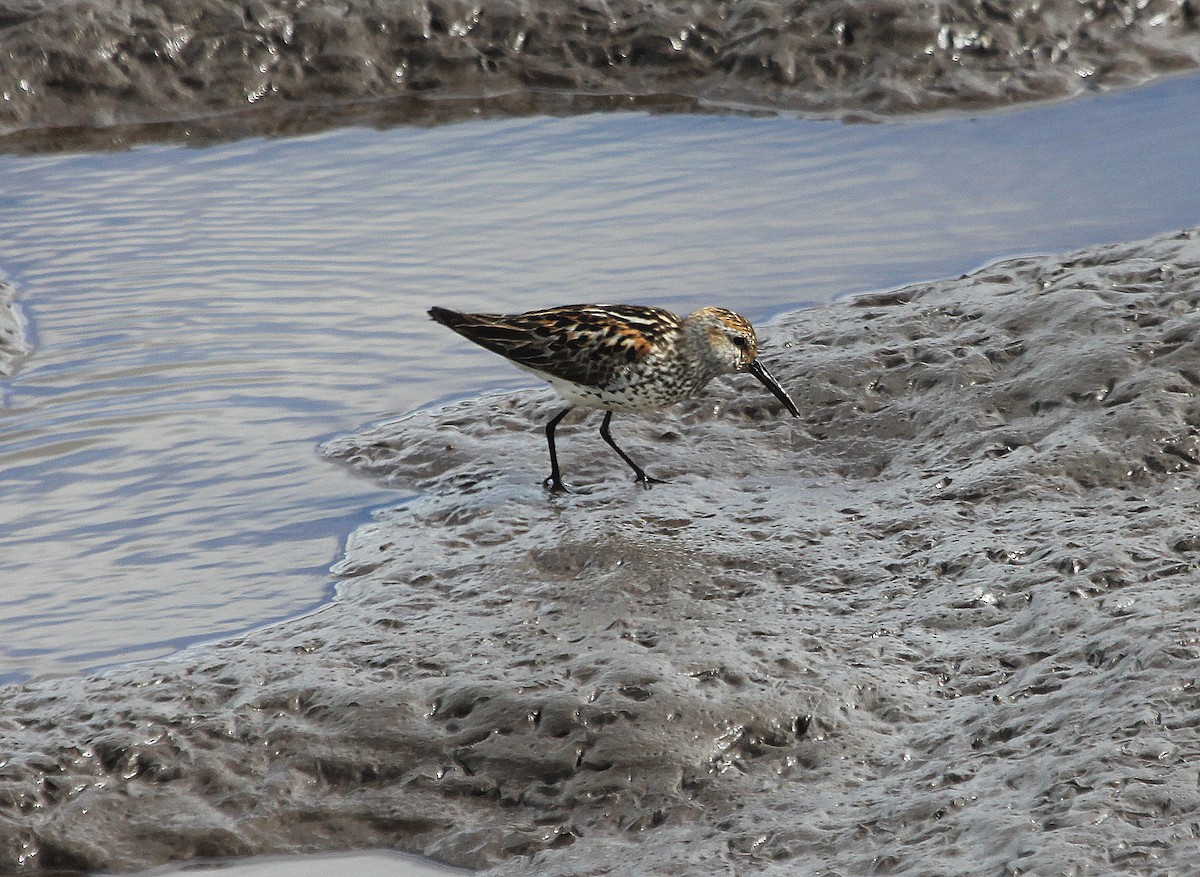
(554, 482)
(642, 477)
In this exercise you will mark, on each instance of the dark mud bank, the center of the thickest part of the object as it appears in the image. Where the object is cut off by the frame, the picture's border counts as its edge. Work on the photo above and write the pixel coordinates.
(278, 66)
(945, 623)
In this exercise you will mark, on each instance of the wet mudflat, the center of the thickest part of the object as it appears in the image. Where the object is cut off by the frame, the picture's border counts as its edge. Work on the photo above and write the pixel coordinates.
(205, 68)
(944, 622)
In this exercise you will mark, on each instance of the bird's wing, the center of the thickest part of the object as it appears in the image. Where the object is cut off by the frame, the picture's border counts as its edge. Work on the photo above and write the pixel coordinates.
(586, 344)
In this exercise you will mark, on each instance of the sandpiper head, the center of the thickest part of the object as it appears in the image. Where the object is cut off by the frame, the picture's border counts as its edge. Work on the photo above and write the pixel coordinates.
(728, 338)
(731, 346)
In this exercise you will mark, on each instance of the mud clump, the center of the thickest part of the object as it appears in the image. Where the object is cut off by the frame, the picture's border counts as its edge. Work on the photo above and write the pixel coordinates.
(944, 623)
(277, 66)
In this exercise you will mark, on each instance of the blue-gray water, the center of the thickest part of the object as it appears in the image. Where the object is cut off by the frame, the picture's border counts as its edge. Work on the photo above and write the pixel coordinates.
(203, 318)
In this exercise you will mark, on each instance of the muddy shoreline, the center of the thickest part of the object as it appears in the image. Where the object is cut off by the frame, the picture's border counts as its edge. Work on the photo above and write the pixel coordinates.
(114, 73)
(944, 622)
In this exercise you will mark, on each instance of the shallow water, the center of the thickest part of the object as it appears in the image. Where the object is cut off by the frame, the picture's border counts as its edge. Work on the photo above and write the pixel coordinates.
(203, 318)
(375, 864)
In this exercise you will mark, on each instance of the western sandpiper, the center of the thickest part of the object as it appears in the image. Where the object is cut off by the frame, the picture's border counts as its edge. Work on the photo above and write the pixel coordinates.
(624, 358)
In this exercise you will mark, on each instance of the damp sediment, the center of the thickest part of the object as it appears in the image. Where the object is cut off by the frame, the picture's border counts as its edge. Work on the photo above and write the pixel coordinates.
(941, 623)
(117, 72)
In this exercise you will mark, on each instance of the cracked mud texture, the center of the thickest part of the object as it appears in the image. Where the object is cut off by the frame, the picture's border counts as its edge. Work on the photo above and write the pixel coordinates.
(282, 66)
(944, 623)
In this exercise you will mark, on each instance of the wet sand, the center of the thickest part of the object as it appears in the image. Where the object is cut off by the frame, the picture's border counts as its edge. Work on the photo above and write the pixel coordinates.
(942, 623)
(204, 69)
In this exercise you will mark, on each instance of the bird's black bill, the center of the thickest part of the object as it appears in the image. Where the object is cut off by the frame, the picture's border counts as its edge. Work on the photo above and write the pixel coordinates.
(760, 371)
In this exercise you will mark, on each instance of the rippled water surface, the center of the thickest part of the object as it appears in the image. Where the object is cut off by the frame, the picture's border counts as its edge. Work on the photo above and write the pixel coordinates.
(371, 864)
(203, 318)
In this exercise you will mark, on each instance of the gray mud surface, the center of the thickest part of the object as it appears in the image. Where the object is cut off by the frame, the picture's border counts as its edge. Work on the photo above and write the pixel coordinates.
(282, 66)
(14, 345)
(944, 623)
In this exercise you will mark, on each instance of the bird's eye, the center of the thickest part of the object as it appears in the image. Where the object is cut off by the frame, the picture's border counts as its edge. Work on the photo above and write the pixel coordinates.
(739, 341)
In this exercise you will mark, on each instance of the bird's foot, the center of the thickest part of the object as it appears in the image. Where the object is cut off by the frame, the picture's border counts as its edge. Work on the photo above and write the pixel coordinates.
(646, 481)
(554, 484)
